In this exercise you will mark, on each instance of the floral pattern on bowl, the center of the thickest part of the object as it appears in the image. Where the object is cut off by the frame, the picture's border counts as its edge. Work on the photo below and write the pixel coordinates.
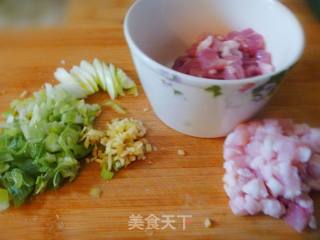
(169, 77)
(215, 90)
(267, 89)
(247, 87)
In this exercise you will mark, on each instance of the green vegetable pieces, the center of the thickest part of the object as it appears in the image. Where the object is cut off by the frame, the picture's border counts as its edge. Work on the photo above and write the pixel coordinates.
(4, 199)
(88, 78)
(40, 143)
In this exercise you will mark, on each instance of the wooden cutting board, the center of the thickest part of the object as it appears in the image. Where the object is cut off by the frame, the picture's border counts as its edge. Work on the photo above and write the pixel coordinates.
(165, 183)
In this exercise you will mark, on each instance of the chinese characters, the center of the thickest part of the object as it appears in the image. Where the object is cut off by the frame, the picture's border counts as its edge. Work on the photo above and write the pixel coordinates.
(161, 222)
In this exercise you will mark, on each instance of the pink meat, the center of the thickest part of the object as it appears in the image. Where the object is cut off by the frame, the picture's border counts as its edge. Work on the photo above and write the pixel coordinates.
(297, 217)
(270, 167)
(234, 56)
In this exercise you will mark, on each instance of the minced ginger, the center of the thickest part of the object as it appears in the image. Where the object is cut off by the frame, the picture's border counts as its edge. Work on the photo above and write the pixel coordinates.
(122, 143)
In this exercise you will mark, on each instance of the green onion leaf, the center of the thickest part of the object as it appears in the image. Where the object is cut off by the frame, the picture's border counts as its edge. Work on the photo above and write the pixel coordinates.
(4, 199)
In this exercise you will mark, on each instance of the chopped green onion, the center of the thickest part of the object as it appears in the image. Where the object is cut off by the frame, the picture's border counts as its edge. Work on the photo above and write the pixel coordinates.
(41, 143)
(86, 79)
(115, 106)
(4, 199)
(106, 174)
(95, 192)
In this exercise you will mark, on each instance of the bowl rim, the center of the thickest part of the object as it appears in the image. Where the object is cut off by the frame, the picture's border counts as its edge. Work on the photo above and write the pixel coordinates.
(194, 80)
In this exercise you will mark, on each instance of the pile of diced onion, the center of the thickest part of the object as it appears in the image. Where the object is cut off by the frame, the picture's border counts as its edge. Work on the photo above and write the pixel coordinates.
(237, 55)
(271, 166)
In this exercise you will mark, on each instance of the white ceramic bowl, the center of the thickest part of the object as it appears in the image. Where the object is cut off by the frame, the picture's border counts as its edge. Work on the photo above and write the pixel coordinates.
(158, 31)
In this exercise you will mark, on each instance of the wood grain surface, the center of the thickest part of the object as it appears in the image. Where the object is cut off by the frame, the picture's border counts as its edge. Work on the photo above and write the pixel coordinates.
(165, 183)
